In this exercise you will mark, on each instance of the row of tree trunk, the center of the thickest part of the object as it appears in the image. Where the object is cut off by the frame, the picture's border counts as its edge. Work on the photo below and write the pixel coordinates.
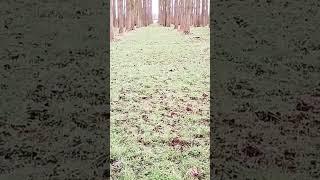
(125, 15)
(183, 14)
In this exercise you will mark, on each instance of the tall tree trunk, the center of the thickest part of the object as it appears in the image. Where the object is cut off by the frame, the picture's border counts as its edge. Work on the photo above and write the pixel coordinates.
(144, 12)
(187, 16)
(138, 2)
(132, 14)
(172, 12)
(192, 13)
(115, 22)
(207, 12)
(168, 9)
(111, 21)
(176, 14)
(128, 15)
(159, 12)
(162, 12)
(179, 14)
(198, 13)
(150, 10)
(182, 17)
(120, 15)
(203, 13)
(135, 13)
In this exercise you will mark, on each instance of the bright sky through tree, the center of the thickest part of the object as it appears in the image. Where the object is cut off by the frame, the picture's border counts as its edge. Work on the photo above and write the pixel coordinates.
(155, 7)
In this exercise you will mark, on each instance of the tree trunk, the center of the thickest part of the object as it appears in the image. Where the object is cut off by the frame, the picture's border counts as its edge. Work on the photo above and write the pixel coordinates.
(207, 12)
(198, 13)
(144, 12)
(120, 15)
(165, 13)
(168, 13)
(159, 14)
(111, 21)
(187, 16)
(172, 12)
(203, 13)
(162, 12)
(179, 14)
(150, 10)
(128, 20)
(115, 23)
(176, 14)
(192, 13)
(182, 17)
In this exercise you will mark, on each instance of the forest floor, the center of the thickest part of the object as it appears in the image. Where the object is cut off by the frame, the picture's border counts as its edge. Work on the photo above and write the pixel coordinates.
(160, 104)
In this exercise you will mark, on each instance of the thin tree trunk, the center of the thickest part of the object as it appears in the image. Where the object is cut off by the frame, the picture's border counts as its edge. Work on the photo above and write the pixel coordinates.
(120, 15)
(207, 12)
(111, 21)
(127, 9)
(180, 14)
(176, 14)
(187, 16)
(168, 9)
(133, 15)
(163, 15)
(144, 13)
(150, 10)
(203, 13)
(172, 12)
(192, 13)
(115, 23)
(198, 13)
(182, 26)
(159, 14)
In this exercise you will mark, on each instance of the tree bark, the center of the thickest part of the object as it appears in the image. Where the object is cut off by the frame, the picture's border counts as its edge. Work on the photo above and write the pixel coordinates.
(182, 15)
(176, 14)
(111, 21)
(127, 10)
(203, 13)
(192, 13)
(120, 15)
(198, 13)
(150, 10)
(187, 18)
(207, 12)
(169, 13)
(115, 23)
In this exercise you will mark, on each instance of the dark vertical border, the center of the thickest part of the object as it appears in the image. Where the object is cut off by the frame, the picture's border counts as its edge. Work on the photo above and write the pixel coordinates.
(54, 100)
(265, 90)
(212, 89)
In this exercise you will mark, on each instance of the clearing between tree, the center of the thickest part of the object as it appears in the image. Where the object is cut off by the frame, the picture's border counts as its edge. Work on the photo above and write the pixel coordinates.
(160, 104)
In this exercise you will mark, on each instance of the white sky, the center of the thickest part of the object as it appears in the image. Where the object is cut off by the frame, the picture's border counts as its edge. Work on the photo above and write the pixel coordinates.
(155, 7)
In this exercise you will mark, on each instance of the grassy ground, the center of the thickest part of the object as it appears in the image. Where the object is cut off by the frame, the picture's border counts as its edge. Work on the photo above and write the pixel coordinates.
(160, 104)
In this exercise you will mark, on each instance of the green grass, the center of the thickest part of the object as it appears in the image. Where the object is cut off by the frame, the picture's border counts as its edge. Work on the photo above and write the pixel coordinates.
(159, 91)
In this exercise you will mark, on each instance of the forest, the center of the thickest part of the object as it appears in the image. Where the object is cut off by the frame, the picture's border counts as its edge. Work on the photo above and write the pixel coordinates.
(160, 58)
(126, 15)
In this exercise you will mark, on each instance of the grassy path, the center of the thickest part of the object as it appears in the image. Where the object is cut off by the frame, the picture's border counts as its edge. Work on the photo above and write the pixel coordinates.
(160, 104)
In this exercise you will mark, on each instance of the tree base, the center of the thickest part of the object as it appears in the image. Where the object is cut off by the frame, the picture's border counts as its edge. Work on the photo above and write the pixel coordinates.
(186, 32)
